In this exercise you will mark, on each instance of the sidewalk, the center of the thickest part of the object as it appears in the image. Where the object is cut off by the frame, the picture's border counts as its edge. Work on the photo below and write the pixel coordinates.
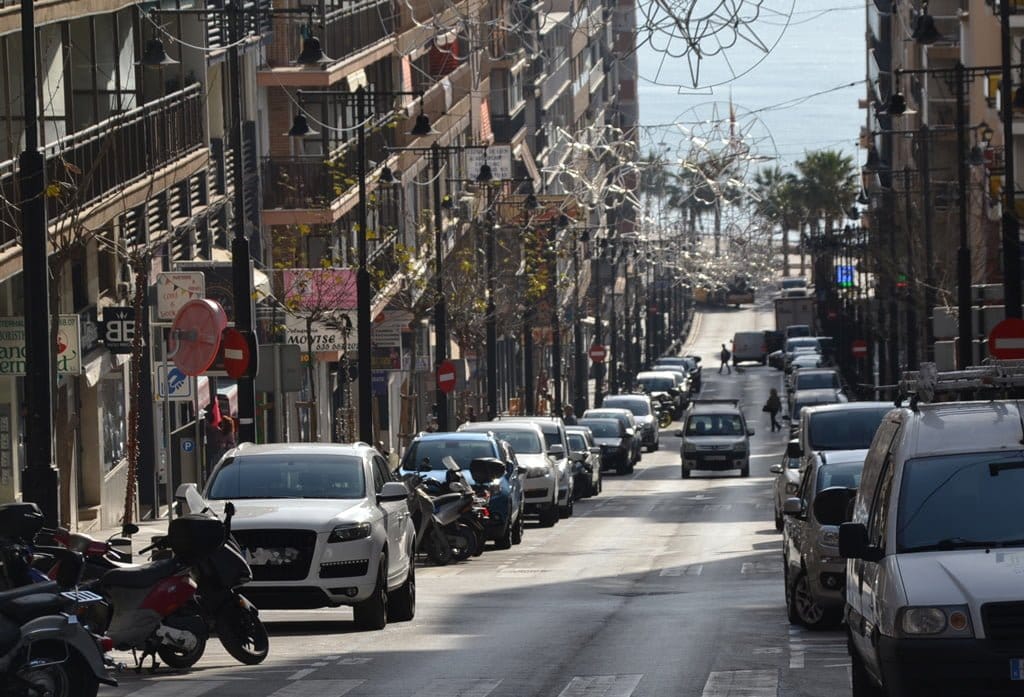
(148, 529)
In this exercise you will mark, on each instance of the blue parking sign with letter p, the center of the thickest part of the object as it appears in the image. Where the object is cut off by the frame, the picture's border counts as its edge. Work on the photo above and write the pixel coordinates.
(1017, 669)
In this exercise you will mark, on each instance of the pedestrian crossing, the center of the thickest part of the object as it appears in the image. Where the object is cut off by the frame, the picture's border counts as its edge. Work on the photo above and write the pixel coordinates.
(748, 683)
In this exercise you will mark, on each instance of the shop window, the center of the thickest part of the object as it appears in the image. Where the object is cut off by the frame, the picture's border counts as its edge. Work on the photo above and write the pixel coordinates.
(115, 420)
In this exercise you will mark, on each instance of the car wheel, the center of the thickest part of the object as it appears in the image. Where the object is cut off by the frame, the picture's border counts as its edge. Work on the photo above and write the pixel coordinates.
(402, 600)
(504, 540)
(549, 516)
(517, 529)
(860, 679)
(372, 613)
(599, 485)
(656, 445)
(808, 611)
(622, 468)
(566, 511)
(745, 471)
(779, 523)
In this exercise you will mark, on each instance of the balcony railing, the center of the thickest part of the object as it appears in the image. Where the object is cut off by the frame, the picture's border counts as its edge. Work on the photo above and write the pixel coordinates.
(114, 153)
(255, 21)
(347, 28)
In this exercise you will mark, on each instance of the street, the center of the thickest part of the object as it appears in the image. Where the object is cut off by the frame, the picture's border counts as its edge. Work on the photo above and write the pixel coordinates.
(659, 586)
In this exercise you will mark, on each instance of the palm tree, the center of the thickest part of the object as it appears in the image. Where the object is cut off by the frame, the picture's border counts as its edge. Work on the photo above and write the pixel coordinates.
(777, 199)
(828, 185)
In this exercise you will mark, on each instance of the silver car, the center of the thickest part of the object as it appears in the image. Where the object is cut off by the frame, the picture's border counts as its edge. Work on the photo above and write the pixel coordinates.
(814, 573)
(787, 479)
(715, 436)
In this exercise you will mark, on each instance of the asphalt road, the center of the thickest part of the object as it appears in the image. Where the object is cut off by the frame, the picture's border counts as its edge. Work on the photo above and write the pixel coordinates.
(658, 587)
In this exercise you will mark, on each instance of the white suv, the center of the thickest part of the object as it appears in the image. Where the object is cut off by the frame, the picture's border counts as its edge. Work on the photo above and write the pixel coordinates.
(321, 525)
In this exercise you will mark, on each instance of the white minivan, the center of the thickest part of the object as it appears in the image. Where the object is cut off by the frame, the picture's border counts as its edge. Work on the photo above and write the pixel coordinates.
(935, 552)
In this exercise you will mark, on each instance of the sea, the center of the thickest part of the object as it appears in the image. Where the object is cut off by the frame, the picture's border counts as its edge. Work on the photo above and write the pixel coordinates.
(784, 76)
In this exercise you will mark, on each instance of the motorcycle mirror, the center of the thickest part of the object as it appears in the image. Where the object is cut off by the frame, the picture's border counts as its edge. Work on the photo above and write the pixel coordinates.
(229, 509)
(129, 529)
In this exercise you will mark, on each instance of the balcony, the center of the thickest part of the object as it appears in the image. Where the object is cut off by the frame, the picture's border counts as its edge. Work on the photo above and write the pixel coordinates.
(348, 28)
(256, 15)
(114, 153)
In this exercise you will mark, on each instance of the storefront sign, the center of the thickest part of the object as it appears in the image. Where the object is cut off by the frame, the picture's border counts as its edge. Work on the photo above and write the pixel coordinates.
(325, 336)
(118, 329)
(13, 350)
(175, 289)
(387, 328)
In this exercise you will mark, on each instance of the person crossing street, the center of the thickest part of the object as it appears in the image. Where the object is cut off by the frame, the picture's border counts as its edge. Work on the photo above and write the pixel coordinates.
(726, 355)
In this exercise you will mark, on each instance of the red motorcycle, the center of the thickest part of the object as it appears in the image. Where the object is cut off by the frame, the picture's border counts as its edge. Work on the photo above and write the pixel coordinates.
(170, 606)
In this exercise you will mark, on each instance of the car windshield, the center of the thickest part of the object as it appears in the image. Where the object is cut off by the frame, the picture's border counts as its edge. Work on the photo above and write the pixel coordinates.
(523, 442)
(655, 384)
(714, 425)
(817, 381)
(603, 428)
(851, 429)
(577, 442)
(433, 451)
(598, 414)
(639, 407)
(961, 501)
(803, 342)
(846, 474)
(288, 476)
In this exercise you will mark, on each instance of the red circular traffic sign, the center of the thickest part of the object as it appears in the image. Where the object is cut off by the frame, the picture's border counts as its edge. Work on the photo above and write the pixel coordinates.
(195, 335)
(859, 348)
(446, 376)
(236, 353)
(597, 353)
(1006, 340)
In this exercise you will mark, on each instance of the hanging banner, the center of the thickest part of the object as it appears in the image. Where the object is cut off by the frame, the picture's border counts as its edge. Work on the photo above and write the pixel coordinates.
(12, 346)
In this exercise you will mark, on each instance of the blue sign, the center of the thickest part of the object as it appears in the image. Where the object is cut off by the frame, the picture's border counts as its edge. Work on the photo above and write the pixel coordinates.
(844, 276)
(379, 382)
(187, 445)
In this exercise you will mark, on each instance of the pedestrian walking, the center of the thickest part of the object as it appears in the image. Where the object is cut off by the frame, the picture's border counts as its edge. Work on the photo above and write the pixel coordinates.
(773, 406)
(725, 355)
(569, 415)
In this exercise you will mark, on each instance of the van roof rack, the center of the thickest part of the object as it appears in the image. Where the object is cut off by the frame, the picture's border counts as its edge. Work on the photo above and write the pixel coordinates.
(924, 384)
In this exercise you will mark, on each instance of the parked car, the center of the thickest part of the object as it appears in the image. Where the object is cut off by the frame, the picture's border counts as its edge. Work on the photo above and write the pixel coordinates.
(629, 421)
(585, 455)
(787, 479)
(320, 524)
(934, 550)
(505, 504)
(715, 436)
(836, 428)
(749, 346)
(814, 378)
(643, 413)
(669, 387)
(557, 444)
(690, 363)
(615, 442)
(813, 572)
(810, 398)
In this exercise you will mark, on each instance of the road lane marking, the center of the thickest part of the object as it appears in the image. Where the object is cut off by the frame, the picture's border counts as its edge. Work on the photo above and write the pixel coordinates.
(354, 661)
(178, 689)
(321, 688)
(601, 686)
(742, 683)
(300, 674)
(691, 570)
(760, 567)
(458, 687)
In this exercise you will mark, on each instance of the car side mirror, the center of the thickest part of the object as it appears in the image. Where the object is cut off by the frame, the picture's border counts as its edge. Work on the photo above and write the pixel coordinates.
(750, 431)
(775, 469)
(678, 433)
(556, 451)
(793, 506)
(630, 432)
(393, 491)
(853, 543)
(831, 504)
(793, 450)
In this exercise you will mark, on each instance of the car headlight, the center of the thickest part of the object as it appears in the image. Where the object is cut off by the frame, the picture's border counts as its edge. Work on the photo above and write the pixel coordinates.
(830, 538)
(349, 532)
(792, 488)
(689, 448)
(741, 447)
(935, 621)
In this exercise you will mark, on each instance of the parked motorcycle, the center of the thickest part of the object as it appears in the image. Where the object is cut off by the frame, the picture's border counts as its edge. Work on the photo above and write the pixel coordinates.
(44, 649)
(170, 606)
(430, 538)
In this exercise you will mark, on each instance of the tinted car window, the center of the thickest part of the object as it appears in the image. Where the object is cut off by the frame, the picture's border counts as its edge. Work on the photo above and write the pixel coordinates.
(603, 428)
(577, 442)
(655, 384)
(289, 476)
(462, 451)
(845, 430)
(714, 425)
(967, 500)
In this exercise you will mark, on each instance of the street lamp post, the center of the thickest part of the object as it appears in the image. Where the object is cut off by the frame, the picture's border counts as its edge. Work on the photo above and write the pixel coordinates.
(41, 480)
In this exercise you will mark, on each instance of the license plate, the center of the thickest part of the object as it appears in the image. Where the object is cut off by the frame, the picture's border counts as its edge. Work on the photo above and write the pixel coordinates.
(715, 458)
(1017, 669)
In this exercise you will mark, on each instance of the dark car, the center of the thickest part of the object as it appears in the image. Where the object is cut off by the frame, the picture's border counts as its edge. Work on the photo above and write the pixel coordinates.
(616, 445)
(585, 456)
(632, 428)
(505, 524)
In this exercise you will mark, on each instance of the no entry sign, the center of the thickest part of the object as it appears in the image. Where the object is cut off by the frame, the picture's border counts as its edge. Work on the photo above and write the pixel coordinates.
(1006, 340)
(597, 353)
(446, 377)
(859, 348)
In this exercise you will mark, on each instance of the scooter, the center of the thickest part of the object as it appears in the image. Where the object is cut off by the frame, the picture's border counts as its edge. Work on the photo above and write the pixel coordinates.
(430, 539)
(169, 607)
(44, 648)
(451, 500)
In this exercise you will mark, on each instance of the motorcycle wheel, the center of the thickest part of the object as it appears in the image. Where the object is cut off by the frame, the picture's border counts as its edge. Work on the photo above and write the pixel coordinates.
(186, 619)
(481, 539)
(242, 633)
(463, 543)
(437, 548)
(665, 420)
(70, 678)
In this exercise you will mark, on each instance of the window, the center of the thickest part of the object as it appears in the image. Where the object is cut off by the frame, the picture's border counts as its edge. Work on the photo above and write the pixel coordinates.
(851, 429)
(114, 415)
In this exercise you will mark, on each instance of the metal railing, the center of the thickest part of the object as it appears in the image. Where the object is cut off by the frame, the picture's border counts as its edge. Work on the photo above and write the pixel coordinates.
(101, 159)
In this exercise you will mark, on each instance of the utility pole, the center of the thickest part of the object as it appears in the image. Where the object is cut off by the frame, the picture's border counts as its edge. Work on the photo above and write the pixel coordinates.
(440, 311)
(1010, 223)
(965, 351)
(490, 319)
(41, 479)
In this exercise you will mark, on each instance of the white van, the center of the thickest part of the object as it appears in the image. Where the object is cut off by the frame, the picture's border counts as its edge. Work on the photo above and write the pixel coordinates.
(749, 346)
(935, 553)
